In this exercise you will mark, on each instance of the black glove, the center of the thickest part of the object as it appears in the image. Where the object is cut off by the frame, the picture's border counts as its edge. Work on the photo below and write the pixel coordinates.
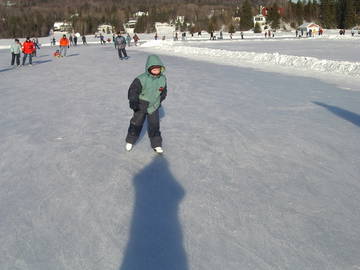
(134, 105)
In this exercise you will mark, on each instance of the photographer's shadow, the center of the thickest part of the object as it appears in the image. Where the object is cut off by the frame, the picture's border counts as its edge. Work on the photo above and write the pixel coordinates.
(156, 241)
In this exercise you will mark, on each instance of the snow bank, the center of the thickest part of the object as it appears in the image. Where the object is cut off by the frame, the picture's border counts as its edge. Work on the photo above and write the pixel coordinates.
(236, 57)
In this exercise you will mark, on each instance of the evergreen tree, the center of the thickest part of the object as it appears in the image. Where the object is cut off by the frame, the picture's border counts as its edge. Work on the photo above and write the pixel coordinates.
(345, 14)
(274, 17)
(246, 22)
(289, 11)
(183, 27)
(141, 24)
(327, 13)
(315, 11)
(299, 12)
(231, 29)
(308, 11)
(257, 28)
(212, 24)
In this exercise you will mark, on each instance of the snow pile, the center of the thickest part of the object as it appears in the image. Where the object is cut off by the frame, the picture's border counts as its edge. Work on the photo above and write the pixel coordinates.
(236, 57)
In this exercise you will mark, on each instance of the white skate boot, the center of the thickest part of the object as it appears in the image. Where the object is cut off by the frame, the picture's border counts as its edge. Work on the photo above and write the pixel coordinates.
(128, 147)
(158, 150)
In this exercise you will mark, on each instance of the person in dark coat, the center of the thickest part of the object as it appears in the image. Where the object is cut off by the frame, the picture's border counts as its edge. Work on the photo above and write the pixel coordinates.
(136, 39)
(83, 38)
(120, 43)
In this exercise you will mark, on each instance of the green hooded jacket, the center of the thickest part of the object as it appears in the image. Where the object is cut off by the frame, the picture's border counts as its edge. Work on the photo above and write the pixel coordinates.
(151, 85)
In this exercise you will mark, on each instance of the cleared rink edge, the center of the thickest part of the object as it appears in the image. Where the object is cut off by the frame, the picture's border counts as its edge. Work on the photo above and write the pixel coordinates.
(346, 68)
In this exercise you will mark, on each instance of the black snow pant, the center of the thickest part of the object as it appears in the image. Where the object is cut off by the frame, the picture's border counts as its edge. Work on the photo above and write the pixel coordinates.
(136, 124)
(17, 56)
(24, 58)
(122, 50)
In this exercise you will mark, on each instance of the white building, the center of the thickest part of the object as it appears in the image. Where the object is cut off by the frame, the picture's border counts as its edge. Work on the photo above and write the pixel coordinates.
(130, 26)
(9, 3)
(261, 20)
(140, 14)
(106, 29)
(62, 27)
(164, 29)
(180, 19)
(306, 27)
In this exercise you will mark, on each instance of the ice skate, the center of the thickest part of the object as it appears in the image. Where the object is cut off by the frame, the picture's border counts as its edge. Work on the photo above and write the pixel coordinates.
(128, 147)
(158, 150)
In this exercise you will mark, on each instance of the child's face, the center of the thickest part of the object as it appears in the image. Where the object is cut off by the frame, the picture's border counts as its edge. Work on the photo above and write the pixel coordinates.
(155, 71)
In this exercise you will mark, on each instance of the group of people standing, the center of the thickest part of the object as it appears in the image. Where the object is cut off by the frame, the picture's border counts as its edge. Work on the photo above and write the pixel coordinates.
(127, 39)
(73, 39)
(28, 48)
(269, 34)
(64, 46)
(308, 33)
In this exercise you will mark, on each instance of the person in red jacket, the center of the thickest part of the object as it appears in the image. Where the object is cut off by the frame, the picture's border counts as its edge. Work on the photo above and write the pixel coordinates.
(64, 45)
(28, 48)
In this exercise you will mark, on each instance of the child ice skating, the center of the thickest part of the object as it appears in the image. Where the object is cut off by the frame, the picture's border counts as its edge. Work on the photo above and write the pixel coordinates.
(145, 95)
(57, 54)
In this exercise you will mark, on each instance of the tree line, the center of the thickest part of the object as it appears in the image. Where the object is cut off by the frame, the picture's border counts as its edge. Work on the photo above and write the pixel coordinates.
(36, 17)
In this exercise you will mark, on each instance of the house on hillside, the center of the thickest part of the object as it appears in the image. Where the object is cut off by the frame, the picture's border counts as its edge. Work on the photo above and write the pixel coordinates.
(129, 27)
(106, 29)
(180, 19)
(306, 28)
(9, 3)
(164, 29)
(62, 27)
(261, 20)
(140, 14)
(264, 11)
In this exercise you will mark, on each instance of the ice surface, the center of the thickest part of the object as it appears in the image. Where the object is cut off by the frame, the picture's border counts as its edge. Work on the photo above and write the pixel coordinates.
(261, 169)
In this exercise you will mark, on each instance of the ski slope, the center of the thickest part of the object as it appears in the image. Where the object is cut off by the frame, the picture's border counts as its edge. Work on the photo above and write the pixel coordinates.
(261, 166)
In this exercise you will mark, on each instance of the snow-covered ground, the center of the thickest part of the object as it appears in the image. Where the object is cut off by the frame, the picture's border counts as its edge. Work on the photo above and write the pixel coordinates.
(303, 55)
(331, 49)
(261, 166)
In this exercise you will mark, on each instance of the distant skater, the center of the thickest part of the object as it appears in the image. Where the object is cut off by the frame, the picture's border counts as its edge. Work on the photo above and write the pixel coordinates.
(15, 50)
(120, 42)
(136, 39)
(64, 45)
(83, 38)
(128, 40)
(75, 40)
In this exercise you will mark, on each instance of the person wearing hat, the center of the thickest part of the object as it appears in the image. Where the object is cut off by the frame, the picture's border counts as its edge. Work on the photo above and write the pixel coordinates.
(28, 48)
(64, 45)
(15, 50)
(120, 43)
(145, 95)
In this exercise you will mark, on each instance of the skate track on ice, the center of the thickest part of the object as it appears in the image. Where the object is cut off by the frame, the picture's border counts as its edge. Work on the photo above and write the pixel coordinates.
(261, 169)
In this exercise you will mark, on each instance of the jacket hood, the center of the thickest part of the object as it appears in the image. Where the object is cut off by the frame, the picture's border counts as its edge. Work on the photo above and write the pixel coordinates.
(154, 60)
